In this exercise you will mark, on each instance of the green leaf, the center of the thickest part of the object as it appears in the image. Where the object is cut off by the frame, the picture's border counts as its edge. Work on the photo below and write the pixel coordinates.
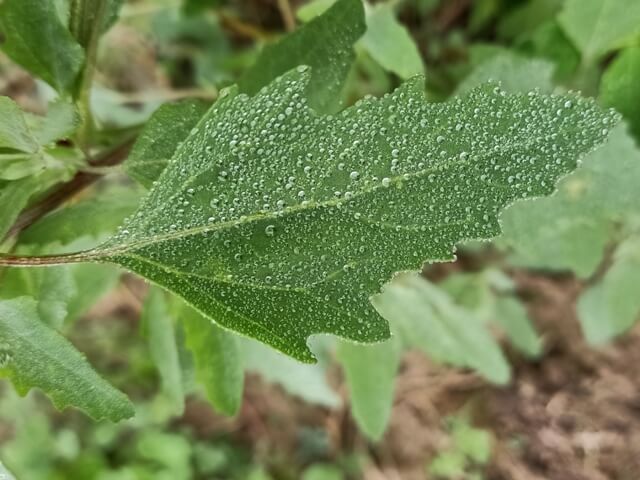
(160, 138)
(370, 372)
(14, 196)
(526, 17)
(426, 318)
(325, 44)
(308, 382)
(36, 38)
(619, 87)
(245, 223)
(515, 73)
(612, 306)
(312, 9)
(89, 16)
(60, 121)
(512, 317)
(599, 26)
(14, 132)
(571, 229)
(390, 44)
(217, 358)
(92, 217)
(159, 330)
(551, 43)
(34, 355)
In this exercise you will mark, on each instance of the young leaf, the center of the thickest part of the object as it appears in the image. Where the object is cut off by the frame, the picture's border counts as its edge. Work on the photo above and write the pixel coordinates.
(160, 138)
(36, 38)
(571, 229)
(612, 306)
(14, 132)
(90, 17)
(217, 358)
(325, 44)
(370, 372)
(160, 333)
(515, 73)
(14, 196)
(599, 26)
(308, 382)
(512, 317)
(425, 317)
(34, 355)
(390, 44)
(619, 87)
(279, 223)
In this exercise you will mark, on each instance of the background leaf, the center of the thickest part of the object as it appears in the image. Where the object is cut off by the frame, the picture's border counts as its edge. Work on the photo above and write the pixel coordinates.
(34, 355)
(158, 327)
(599, 26)
(390, 44)
(619, 87)
(325, 44)
(36, 38)
(217, 358)
(160, 138)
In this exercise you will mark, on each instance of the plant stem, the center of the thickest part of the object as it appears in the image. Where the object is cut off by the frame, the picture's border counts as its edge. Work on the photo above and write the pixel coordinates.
(44, 260)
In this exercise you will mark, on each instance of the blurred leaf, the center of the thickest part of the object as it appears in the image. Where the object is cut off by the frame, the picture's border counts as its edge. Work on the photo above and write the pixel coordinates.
(14, 196)
(217, 358)
(34, 355)
(14, 132)
(36, 38)
(612, 306)
(5, 474)
(60, 122)
(390, 44)
(91, 217)
(325, 44)
(515, 73)
(89, 16)
(450, 464)
(370, 372)
(302, 380)
(312, 9)
(526, 17)
(159, 330)
(599, 26)
(170, 451)
(551, 43)
(162, 135)
(227, 229)
(426, 318)
(471, 442)
(511, 315)
(570, 229)
(620, 89)
(322, 472)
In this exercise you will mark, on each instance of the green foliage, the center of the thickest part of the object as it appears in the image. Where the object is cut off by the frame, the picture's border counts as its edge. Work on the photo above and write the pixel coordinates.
(217, 358)
(37, 39)
(428, 319)
(619, 87)
(370, 372)
(612, 306)
(471, 447)
(325, 44)
(599, 26)
(158, 328)
(571, 229)
(34, 355)
(390, 44)
(166, 129)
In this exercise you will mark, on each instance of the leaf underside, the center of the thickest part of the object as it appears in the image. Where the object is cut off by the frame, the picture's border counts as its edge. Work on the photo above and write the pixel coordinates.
(279, 223)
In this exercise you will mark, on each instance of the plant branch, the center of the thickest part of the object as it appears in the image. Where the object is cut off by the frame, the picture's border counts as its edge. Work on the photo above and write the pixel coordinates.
(44, 260)
(62, 193)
